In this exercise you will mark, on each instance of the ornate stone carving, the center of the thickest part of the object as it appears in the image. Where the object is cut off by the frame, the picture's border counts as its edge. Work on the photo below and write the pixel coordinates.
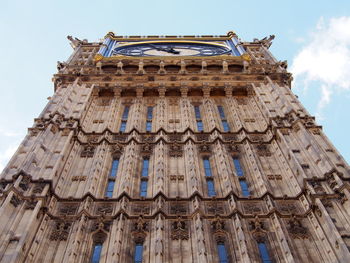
(60, 231)
(331, 180)
(175, 137)
(68, 209)
(78, 178)
(92, 139)
(214, 208)
(230, 138)
(266, 41)
(175, 150)
(179, 230)
(317, 187)
(38, 188)
(257, 228)
(202, 137)
(15, 200)
(204, 148)
(263, 150)
(25, 183)
(233, 148)
(178, 208)
(88, 151)
(296, 229)
(252, 208)
(148, 138)
(30, 204)
(120, 138)
(141, 208)
(146, 149)
(287, 208)
(116, 149)
(140, 230)
(104, 209)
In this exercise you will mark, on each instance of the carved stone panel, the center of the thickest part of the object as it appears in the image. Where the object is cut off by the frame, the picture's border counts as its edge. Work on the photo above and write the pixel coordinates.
(175, 150)
(104, 209)
(88, 151)
(68, 209)
(179, 230)
(61, 230)
(141, 208)
(214, 208)
(178, 208)
(252, 207)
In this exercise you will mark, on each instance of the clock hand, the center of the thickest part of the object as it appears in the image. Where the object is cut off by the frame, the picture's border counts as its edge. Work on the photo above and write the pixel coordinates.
(169, 50)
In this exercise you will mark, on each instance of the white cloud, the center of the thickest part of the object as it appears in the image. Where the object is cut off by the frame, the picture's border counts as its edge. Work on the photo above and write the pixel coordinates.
(325, 59)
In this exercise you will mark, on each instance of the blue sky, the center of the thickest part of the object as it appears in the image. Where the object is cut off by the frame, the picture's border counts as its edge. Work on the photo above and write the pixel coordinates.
(313, 36)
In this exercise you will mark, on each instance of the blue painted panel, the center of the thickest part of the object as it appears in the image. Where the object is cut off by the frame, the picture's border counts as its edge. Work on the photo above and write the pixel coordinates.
(145, 166)
(238, 167)
(211, 187)
(264, 253)
(114, 169)
(244, 187)
(223, 258)
(143, 188)
(96, 253)
(138, 253)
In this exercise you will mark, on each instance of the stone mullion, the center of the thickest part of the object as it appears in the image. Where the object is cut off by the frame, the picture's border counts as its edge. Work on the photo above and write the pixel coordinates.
(75, 244)
(232, 107)
(241, 240)
(293, 162)
(116, 241)
(198, 239)
(263, 107)
(112, 121)
(223, 168)
(128, 168)
(304, 144)
(32, 223)
(62, 186)
(55, 165)
(193, 175)
(159, 175)
(256, 175)
(208, 113)
(95, 170)
(157, 240)
(322, 153)
(186, 111)
(41, 240)
(58, 104)
(282, 239)
(159, 116)
(286, 173)
(87, 121)
(86, 107)
(263, 120)
(136, 115)
(322, 225)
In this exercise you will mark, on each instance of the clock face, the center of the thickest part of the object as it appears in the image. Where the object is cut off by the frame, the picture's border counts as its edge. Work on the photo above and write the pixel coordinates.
(171, 49)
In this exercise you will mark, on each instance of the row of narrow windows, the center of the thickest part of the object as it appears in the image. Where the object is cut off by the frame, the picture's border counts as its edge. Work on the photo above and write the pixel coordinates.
(149, 117)
(207, 171)
(221, 250)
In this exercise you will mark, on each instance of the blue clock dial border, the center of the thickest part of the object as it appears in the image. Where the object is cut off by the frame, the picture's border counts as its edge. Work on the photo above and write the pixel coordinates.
(139, 50)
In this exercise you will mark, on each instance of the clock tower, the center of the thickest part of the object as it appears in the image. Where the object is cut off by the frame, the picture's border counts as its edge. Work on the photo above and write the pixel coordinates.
(174, 149)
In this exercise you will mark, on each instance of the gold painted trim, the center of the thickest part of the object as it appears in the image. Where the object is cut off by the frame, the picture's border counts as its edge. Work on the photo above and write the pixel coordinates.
(130, 39)
(174, 41)
(244, 57)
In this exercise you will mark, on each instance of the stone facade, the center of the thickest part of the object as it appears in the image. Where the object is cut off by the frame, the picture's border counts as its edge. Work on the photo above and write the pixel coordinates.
(54, 205)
